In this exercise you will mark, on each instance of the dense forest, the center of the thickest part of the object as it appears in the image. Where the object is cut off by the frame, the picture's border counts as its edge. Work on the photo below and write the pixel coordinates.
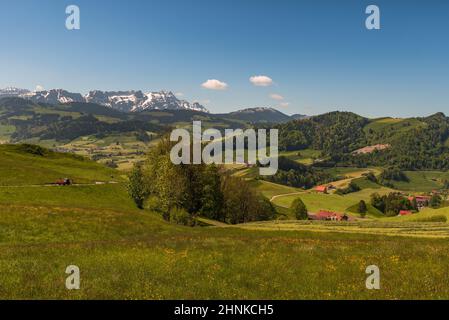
(418, 143)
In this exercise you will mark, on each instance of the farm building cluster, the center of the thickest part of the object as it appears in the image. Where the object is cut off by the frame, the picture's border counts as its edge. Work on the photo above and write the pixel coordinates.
(330, 216)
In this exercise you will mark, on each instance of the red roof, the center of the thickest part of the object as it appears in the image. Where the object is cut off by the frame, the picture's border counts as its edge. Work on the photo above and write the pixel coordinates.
(328, 214)
(321, 188)
(405, 212)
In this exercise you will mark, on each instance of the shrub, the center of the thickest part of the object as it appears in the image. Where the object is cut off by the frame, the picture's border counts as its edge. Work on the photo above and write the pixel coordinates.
(353, 187)
(181, 216)
(435, 201)
(33, 149)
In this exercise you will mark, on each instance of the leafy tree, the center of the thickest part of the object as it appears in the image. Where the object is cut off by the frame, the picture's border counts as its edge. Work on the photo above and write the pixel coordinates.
(371, 177)
(390, 204)
(435, 201)
(414, 204)
(136, 186)
(294, 174)
(352, 187)
(201, 189)
(299, 209)
(394, 174)
(212, 197)
(446, 184)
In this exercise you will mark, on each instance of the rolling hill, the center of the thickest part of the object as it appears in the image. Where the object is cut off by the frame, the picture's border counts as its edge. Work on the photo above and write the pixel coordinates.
(126, 253)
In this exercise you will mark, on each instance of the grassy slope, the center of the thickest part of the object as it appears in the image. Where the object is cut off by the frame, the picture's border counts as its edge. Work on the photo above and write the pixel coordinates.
(422, 181)
(315, 201)
(126, 253)
(424, 215)
(392, 127)
(19, 167)
(305, 156)
(131, 254)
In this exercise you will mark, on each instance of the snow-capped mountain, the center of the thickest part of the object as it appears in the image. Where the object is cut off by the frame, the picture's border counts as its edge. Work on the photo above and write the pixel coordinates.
(53, 96)
(12, 92)
(132, 101)
(126, 101)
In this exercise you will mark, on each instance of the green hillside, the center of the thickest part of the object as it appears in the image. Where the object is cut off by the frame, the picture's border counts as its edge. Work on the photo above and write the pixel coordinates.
(32, 165)
(126, 253)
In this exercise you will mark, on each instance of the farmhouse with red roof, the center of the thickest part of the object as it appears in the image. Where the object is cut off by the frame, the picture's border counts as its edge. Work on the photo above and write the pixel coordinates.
(405, 212)
(321, 189)
(329, 216)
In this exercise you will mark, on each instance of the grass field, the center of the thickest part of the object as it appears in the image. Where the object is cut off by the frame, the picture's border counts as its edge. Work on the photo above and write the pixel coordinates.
(333, 202)
(126, 253)
(306, 156)
(422, 181)
(392, 127)
(373, 227)
(19, 166)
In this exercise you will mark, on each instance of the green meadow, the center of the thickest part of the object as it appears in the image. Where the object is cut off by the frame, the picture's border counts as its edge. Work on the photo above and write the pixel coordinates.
(126, 253)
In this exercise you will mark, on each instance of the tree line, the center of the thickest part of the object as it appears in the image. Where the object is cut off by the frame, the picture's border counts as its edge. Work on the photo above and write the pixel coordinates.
(183, 192)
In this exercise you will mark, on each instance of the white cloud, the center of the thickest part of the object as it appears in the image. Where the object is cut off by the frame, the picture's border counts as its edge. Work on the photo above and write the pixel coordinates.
(284, 104)
(213, 84)
(261, 81)
(276, 96)
(179, 94)
(39, 88)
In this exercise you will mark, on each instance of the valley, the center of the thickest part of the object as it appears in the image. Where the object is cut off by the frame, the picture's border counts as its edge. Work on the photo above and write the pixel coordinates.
(128, 253)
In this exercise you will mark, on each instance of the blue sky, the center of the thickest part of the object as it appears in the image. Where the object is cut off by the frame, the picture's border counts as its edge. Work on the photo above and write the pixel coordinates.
(319, 54)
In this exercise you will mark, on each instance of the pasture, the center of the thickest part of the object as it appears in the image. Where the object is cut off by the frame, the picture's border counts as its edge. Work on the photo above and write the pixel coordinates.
(126, 253)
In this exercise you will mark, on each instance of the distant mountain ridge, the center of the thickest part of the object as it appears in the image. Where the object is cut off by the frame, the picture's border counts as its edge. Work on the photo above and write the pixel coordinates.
(125, 101)
(259, 114)
(132, 101)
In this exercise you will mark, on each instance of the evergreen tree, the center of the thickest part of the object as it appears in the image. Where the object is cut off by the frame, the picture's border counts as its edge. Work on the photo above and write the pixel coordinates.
(362, 208)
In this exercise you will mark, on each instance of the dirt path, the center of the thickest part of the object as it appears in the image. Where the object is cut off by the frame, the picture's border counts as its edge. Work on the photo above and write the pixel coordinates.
(286, 194)
(214, 223)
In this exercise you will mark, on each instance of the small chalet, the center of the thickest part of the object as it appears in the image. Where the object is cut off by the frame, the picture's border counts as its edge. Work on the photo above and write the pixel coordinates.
(321, 189)
(405, 212)
(421, 201)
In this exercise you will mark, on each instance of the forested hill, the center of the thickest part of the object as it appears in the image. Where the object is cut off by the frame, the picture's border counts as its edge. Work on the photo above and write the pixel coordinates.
(414, 143)
(332, 132)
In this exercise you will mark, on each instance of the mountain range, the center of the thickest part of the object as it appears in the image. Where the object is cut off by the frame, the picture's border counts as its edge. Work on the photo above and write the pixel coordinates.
(136, 101)
(125, 101)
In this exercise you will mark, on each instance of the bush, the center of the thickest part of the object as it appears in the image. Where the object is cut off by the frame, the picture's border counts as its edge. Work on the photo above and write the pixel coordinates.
(299, 209)
(33, 149)
(181, 216)
(353, 187)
